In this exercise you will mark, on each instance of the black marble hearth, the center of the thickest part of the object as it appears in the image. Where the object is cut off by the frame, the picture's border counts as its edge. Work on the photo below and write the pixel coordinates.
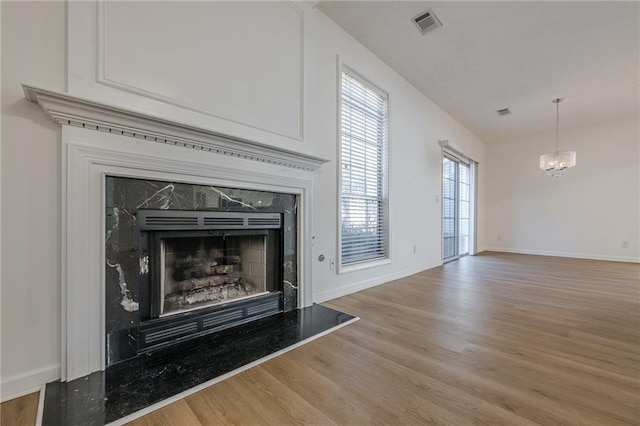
(134, 384)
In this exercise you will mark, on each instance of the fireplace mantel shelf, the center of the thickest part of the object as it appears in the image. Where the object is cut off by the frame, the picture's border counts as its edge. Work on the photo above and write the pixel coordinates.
(74, 111)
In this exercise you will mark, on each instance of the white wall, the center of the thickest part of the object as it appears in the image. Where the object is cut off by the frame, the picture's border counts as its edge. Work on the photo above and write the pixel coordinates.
(33, 51)
(587, 213)
(416, 124)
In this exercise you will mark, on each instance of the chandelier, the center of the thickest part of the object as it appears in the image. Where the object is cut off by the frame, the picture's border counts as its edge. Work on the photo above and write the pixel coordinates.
(555, 163)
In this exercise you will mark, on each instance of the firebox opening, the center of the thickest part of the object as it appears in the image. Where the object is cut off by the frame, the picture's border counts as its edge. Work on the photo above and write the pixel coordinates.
(202, 271)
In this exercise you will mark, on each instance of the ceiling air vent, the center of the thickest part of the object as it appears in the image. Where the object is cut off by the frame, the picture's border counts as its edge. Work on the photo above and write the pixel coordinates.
(427, 21)
(503, 112)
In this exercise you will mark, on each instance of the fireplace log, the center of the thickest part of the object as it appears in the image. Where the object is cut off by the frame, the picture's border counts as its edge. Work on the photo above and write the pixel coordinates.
(199, 296)
(185, 274)
(204, 296)
(188, 268)
(210, 281)
(189, 262)
(223, 269)
(202, 272)
(182, 300)
(228, 260)
(193, 269)
(233, 278)
(195, 283)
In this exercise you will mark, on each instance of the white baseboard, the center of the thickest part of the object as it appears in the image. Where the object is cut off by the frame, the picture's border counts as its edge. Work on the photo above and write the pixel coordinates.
(29, 382)
(589, 256)
(362, 285)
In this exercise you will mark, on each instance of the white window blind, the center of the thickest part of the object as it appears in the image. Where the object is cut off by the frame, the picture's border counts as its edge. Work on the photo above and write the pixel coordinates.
(363, 171)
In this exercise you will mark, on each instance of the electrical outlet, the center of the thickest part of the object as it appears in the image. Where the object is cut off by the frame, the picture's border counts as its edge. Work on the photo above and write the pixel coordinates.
(437, 199)
(415, 249)
(332, 264)
(499, 237)
(625, 244)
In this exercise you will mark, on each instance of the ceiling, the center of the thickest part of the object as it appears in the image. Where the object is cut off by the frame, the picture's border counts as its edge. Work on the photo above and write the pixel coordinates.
(518, 55)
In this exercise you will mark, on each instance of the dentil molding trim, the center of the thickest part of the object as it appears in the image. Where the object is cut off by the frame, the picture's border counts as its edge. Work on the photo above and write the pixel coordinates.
(74, 111)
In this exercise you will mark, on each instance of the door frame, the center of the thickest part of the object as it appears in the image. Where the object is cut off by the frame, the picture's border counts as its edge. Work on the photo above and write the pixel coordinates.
(459, 159)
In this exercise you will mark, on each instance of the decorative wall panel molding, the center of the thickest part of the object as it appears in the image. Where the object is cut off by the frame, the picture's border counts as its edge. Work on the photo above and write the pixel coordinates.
(242, 62)
(79, 112)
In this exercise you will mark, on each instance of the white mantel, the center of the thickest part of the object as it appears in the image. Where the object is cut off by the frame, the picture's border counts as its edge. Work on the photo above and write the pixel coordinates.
(100, 140)
(79, 112)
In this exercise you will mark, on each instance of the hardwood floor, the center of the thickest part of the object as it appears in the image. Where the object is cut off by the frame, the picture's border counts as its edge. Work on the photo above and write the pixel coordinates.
(20, 411)
(491, 339)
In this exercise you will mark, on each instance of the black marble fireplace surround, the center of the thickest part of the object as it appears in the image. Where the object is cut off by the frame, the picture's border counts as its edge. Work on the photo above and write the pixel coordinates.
(130, 314)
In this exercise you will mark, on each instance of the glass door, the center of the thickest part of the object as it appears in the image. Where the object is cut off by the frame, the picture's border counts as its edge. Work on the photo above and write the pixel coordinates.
(456, 207)
(464, 202)
(449, 208)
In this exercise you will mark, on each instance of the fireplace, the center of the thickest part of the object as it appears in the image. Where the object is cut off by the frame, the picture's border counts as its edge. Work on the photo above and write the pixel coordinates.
(101, 267)
(184, 260)
(203, 271)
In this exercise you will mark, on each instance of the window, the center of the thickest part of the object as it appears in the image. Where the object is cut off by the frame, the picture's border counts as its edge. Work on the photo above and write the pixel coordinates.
(364, 230)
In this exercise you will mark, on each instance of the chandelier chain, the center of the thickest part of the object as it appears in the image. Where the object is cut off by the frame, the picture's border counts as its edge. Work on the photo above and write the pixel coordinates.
(557, 102)
(557, 122)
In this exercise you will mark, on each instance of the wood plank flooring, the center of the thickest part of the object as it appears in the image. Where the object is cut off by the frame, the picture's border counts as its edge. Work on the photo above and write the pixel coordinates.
(492, 339)
(20, 411)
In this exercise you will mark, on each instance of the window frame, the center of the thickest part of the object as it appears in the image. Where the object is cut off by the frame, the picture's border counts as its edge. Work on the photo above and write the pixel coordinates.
(383, 197)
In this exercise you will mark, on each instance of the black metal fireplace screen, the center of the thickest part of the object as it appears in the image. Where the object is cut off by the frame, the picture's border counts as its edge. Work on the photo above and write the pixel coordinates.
(207, 271)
